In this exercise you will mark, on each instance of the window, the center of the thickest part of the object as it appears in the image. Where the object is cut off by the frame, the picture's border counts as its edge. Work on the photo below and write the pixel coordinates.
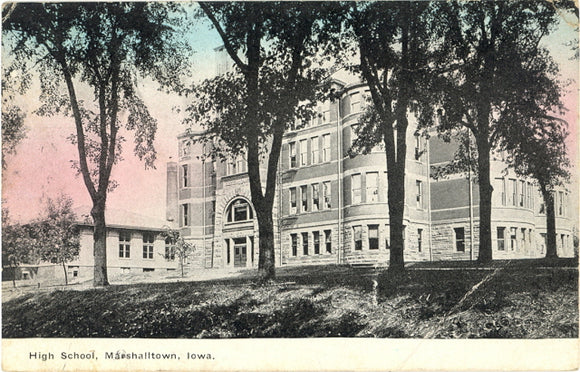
(387, 236)
(326, 148)
(523, 236)
(303, 152)
(185, 215)
(529, 194)
(372, 187)
(124, 244)
(373, 236)
(328, 241)
(239, 210)
(304, 196)
(292, 152)
(240, 164)
(315, 150)
(148, 239)
(418, 147)
(148, 269)
(305, 244)
(326, 195)
(355, 105)
(316, 239)
(513, 237)
(460, 239)
(501, 238)
(522, 193)
(356, 192)
(169, 250)
(185, 175)
(514, 189)
(294, 242)
(419, 240)
(353, 135)
(357, 233)
(544, 237)
(503, 195)
(419, 197)
(560, 203)
(186, 148)
(231, 167)
(542, 207)
(293, 208)
(315, 197)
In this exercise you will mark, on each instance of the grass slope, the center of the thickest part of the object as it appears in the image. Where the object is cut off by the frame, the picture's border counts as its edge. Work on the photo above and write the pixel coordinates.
(505, 301)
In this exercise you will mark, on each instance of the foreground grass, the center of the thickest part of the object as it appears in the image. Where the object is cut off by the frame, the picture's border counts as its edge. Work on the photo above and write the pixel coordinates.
(508, 301)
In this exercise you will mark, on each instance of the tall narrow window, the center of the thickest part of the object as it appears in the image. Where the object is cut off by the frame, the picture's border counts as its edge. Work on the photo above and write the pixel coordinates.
(372, 187)
(353, 135)
(355, 104)
(185, 175)
(124, 244)
(560, 203)
(373, 236)
(514, 190)
(326, 148)
(357, 233)
(460, 239)
(305, 244)
(315, 197)
(294, 239)
(304, 198)
(239, 164)
(502, 190)
(419, 240)
(292, 153)
(326, 194)
(185, 215)
(356, 192)
(169, 250)
(148, 239)
(231, 167)
(328, 241)
(513, 238)
(522, 193)
(419, 191)
(316, 240)
(293, 207)
(542, 205)
(314, 150)
(418, 147)
(501, 238)
(303, 152)
(228, 257)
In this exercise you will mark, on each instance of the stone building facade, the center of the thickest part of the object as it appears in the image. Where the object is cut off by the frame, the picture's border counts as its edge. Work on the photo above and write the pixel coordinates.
(332, 209)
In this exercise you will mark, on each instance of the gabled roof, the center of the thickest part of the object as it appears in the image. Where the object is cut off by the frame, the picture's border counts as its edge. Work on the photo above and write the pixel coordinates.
(121, 219)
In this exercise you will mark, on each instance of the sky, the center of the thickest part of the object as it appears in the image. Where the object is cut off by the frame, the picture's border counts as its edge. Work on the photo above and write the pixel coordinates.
(42, 166)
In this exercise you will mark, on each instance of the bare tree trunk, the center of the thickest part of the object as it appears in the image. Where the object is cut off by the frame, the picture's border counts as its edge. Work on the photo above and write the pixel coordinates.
(551, 246)
(266, 262)
(65, 273)
(485, 193)
(100, 245)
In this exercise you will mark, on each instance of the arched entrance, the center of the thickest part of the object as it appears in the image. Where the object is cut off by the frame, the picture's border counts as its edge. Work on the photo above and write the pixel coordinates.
(238, 233)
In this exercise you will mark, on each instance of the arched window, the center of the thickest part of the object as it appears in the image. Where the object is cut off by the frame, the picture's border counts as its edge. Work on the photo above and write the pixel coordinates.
(239, 210)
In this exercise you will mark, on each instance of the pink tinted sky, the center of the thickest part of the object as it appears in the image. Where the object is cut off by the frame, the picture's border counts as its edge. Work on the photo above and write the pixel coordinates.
(41, 168)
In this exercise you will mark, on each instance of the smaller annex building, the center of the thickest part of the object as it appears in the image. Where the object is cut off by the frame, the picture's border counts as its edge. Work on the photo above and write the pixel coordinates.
(134, 245)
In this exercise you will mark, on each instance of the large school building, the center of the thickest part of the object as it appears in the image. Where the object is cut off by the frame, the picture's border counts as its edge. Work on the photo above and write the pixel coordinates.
(332, 208)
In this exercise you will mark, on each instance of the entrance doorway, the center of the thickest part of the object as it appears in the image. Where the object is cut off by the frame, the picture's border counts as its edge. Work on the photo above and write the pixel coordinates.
(240, 252)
